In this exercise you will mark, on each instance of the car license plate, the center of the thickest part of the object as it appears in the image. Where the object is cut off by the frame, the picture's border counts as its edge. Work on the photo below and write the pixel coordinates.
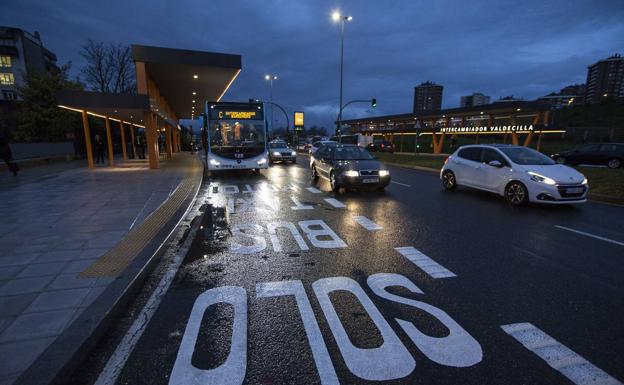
(574, 190)
(370, 180)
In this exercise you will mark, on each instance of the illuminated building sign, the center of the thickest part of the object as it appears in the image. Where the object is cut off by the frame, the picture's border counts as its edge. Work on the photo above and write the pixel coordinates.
(486, 129)
(298, 119)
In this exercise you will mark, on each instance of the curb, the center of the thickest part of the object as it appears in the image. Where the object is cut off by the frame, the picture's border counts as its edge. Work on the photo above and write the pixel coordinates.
(31, 162)
(56, 364)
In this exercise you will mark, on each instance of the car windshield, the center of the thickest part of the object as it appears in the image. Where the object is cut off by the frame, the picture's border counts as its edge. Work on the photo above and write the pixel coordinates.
(526, 156)
(351, 153)
(278, 145)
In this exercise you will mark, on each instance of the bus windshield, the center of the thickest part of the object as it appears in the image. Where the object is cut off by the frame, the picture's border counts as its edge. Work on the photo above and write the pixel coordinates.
(228, 137)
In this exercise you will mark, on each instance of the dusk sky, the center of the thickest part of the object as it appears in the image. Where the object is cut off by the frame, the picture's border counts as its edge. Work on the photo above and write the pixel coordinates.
(525, 48)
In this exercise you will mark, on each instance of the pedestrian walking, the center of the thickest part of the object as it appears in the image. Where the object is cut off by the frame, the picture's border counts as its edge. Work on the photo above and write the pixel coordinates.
(140, 143)
(5, 149)
(99, 148)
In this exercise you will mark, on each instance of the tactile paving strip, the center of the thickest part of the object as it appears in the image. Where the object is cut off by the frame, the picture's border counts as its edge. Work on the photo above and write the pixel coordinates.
(119, 257)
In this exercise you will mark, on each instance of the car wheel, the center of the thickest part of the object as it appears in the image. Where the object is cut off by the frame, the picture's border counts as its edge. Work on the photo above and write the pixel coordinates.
(561, 160)
(614, 163)
(314, 174)
(448, 180)
(333, 183)
(516, 194)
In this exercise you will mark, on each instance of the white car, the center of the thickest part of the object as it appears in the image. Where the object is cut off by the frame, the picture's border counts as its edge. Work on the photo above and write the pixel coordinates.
(520, 174)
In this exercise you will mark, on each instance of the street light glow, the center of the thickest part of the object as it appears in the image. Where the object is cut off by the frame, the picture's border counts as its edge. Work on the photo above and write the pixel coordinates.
(335, 16)
(349, 18)
(267, 77)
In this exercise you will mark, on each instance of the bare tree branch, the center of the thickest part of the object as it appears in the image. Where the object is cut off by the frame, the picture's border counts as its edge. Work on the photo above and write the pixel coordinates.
(109, 67)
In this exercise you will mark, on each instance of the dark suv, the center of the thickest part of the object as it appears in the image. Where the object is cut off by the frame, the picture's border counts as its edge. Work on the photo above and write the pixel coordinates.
(607, 154)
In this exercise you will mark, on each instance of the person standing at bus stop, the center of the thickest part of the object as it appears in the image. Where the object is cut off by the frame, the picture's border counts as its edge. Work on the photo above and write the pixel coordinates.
(5, 149)
(99, 148)
(140, 143)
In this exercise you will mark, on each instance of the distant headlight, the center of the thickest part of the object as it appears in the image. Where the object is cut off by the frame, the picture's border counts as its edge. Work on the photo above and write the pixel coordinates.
(262, 161)
(584, 181)
(541, 178)
(352, 173)
(276, 153)
(294, 153)
(214, 162)
(384, 172)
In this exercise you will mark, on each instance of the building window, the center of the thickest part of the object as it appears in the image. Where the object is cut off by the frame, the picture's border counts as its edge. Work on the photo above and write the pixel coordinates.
(5, 61)
(7, 79)
(9, 95)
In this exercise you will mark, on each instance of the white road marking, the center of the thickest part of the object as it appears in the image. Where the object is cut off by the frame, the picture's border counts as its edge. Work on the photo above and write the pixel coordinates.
(315, 338)
(335, 202)
(232, 371)
(313, 190)
(321, 230)
(559, 357)
(367, 223)
(400, 184)
(426, 264)
(299, 206)
(590, 235)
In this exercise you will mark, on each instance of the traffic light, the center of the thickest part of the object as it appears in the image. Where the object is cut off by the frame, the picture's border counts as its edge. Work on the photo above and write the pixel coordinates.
(374, 102)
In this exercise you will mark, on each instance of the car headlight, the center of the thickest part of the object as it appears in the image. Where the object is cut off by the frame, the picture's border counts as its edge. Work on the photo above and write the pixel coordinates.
(541, 178)
(352, 173)
(214, 162)
(262, 161)
(584, 181)
(384, 172)
(294, 153)
(275, 153)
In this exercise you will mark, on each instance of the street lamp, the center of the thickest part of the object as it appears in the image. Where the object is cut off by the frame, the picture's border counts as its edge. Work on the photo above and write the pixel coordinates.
(337, 17)
(270, 78)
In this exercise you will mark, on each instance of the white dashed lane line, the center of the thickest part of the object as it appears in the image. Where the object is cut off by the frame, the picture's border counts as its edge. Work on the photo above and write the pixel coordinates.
(400, 184)
(335, 202)
(313, 190)
(299, 206)
(590, 235)
(426, 264)
(559, 357)
(367, 223)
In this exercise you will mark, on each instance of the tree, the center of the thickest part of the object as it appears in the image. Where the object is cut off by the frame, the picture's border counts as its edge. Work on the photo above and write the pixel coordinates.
(39, 117)
(109, 67)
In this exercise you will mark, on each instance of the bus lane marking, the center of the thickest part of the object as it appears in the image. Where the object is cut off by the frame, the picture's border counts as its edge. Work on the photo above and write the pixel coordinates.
(559, 357)
(426, 264)
(367, 223)
(335, 203)
(298, 205)
(313, 190)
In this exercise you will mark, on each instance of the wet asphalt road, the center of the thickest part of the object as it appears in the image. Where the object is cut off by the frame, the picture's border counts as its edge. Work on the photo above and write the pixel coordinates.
(495, 265)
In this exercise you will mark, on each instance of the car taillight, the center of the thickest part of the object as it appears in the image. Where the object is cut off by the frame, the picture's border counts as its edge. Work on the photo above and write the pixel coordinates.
(382, 146)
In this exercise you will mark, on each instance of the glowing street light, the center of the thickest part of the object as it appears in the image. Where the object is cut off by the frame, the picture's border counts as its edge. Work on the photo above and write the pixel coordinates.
(270, 78)
(338, 17)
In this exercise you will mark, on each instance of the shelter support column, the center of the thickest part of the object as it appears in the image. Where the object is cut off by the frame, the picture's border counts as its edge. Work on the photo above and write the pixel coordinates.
(123, 140)
(168, 144)
(151, 140)
(134, 156)
(441, 143)
(514, 135)
(174, 136)
(109, 141)
(87, 134)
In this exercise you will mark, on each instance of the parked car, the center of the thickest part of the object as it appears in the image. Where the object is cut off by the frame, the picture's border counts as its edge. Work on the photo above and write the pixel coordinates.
(520, 174)
(606, 154)
(279, 151)
(381, 146)
(348, 166)
(315, 145)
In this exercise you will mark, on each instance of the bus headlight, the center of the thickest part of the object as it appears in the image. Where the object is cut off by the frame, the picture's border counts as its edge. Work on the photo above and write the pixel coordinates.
(352, 173)
(262, 161)
(275, 153)
(214, 162)
(384, 172)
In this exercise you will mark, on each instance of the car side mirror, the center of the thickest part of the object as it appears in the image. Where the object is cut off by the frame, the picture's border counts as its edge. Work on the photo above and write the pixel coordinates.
(495, 163)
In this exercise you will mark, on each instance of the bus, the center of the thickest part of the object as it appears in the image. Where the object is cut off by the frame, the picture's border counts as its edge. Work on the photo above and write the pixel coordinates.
(235, 136)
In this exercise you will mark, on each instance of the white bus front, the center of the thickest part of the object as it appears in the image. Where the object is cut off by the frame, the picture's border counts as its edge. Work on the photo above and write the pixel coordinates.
(236, 136)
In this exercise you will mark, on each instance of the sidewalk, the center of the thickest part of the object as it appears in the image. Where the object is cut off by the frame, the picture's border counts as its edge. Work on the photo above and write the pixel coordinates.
(66, 233)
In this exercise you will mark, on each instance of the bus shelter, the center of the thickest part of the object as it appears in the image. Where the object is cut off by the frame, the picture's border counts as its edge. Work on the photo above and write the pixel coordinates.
(172, 84)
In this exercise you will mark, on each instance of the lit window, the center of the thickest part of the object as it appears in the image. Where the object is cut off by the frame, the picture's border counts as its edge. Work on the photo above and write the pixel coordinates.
(5, 61)
(6, 79)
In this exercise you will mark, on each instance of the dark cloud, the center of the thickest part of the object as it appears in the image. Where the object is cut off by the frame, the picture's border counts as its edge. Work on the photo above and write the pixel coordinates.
(525, 48)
